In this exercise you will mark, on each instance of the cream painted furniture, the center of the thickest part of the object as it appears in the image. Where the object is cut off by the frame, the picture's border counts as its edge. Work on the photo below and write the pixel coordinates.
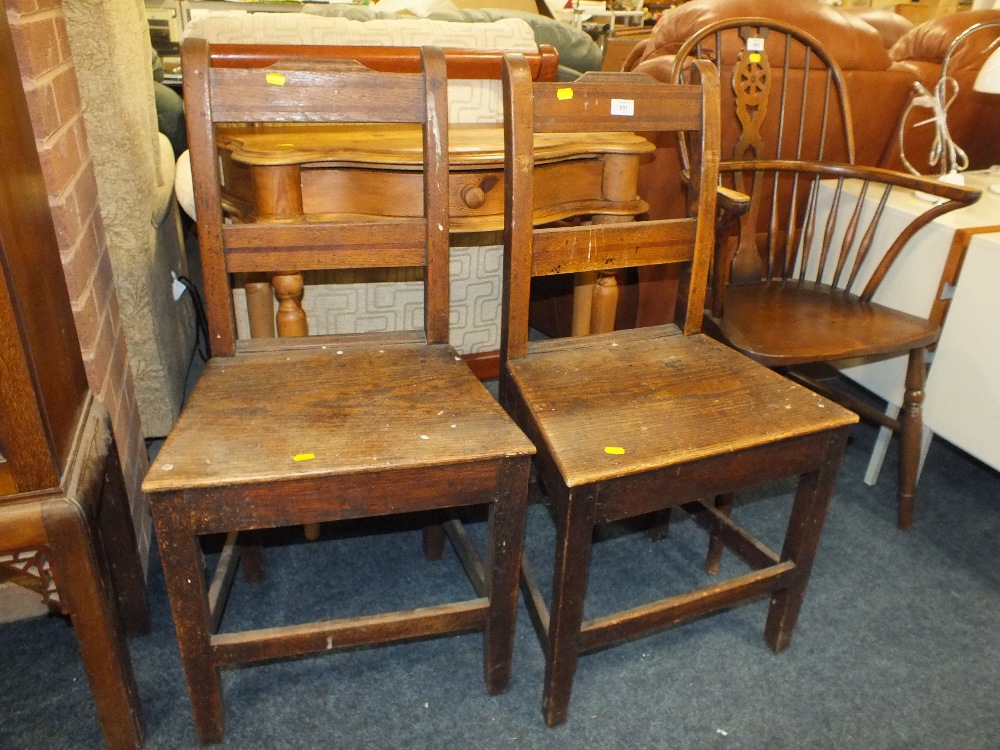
(963, 388)
(922, 282)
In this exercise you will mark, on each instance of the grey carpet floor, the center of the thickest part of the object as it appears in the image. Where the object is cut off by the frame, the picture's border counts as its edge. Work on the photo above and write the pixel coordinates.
(898, 645)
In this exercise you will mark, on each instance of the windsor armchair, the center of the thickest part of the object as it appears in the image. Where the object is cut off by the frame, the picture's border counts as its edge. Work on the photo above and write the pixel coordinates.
(795, 279)
(287, 431)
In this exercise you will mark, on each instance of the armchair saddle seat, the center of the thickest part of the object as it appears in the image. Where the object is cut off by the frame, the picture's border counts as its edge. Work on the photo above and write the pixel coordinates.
(815, 319)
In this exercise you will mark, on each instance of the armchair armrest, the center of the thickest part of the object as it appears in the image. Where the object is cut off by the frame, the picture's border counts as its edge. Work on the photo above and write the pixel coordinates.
(805, 222)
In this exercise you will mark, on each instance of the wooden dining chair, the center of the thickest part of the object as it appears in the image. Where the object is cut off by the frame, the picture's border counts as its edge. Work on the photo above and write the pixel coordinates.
(287, 431)
(796, 282)
(633, 422)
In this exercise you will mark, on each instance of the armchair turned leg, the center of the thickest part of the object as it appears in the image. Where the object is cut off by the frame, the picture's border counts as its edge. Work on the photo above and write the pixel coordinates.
(910, 436)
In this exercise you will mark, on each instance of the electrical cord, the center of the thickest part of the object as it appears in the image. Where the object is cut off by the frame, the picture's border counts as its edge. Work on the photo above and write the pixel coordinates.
(201, 321)
(944, 150)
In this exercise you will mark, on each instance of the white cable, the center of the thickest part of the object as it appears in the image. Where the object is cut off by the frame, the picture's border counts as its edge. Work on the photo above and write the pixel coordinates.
(944, 150)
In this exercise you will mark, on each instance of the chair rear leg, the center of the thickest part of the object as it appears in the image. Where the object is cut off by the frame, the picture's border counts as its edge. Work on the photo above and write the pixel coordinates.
(724, 504)
(574, 537)
(659, 525)
(433, 541)
(910, 435)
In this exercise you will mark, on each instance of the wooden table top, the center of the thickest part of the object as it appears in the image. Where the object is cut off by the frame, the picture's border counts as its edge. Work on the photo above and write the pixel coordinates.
(398, 146)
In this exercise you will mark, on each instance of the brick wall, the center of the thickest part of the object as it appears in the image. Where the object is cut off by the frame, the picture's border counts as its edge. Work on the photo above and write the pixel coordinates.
(49, 80)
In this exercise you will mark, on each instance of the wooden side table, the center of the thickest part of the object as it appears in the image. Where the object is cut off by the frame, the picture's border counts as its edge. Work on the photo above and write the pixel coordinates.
(316, 172)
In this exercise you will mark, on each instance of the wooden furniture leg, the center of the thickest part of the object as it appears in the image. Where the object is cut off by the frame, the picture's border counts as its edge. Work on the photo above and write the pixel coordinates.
(911, 435)
(574, 538)
(805, 526)
(100, 585)
(183, 569)
(504, 541)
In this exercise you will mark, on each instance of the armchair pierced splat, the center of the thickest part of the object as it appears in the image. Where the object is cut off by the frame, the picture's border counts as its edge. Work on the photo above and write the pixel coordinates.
(795, 279)
(288, 431)
(635, 422)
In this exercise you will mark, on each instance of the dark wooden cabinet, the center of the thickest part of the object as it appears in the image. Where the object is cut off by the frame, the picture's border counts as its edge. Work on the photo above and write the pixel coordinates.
(62, 497)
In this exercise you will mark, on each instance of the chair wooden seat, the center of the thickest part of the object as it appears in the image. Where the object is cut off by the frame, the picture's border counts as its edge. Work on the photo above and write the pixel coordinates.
(673, 399)
(815, 324)
(417, 407)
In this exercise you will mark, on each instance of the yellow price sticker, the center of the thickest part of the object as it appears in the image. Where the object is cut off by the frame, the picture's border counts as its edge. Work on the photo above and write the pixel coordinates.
(564, 94)
(275, 79)
(303, 456)
(614, 450)
(755, 57)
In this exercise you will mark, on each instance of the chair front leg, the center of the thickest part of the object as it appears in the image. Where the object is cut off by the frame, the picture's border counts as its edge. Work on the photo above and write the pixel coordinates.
(183, 568)
(574, 537)
(805, 526)
(504, 542)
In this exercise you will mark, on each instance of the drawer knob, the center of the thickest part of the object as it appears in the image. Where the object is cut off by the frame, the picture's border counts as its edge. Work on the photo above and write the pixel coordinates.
(473, 196)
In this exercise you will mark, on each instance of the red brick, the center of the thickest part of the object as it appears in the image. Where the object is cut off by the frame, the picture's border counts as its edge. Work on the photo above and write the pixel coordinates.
(101, 350)
(104, 282)
(67, 93)
(52, 101)
(32, 6)
(88, 320)
(61, 156)
(40, 43)
(42, 107)
(85, 191)
(80, 265)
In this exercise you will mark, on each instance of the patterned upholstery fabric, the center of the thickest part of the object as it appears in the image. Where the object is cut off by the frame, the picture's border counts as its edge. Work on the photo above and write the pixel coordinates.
(134, 171)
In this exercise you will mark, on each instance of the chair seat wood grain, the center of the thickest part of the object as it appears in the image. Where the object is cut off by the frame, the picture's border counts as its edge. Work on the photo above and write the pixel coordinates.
(415, 406)
(677, 399)
(781, 324)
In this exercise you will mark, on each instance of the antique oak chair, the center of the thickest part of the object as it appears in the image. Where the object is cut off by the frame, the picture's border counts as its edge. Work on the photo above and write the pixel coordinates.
(632, 422)
(795, 284)
(287, 431)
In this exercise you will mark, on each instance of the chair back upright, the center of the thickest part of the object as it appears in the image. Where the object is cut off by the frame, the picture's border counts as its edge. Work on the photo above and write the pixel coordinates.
(315, 92)
(595, 103)
(786, 97)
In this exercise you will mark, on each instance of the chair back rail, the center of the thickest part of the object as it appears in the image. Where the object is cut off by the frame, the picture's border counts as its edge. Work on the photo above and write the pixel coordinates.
(318, 91)
(472, 64)
(609, 102)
